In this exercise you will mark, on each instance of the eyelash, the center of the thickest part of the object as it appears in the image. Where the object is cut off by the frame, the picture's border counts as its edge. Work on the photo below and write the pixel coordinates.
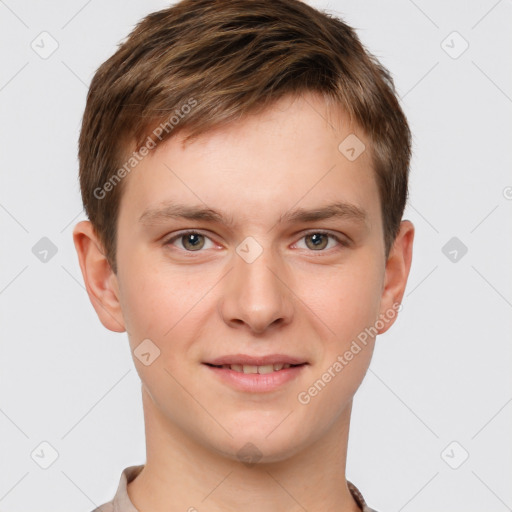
(340, 241)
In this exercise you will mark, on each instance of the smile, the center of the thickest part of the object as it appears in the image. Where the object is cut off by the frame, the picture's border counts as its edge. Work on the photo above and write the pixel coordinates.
(251, 378)
(249, 368)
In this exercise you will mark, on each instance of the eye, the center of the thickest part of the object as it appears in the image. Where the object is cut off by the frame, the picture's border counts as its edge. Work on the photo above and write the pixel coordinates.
(190, 241)
(319, 241)
(193, 241)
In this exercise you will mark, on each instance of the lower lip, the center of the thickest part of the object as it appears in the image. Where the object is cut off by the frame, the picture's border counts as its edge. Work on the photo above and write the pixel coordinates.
(256, 382)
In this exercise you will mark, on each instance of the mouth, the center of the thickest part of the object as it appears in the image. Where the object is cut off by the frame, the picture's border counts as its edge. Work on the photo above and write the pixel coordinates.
(261, 369)
(256, 374)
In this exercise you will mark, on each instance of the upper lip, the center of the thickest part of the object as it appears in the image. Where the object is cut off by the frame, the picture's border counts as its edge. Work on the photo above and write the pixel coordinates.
(244, 359)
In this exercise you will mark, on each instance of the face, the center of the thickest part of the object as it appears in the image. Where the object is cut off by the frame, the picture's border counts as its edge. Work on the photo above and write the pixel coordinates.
(250, 262)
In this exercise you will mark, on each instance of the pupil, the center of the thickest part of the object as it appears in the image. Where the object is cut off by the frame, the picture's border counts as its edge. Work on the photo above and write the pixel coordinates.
(193, 241)
(317, 240)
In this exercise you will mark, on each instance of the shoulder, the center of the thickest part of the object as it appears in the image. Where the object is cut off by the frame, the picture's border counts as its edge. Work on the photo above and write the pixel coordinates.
(358, 497)
(106, 507)
(121, 501)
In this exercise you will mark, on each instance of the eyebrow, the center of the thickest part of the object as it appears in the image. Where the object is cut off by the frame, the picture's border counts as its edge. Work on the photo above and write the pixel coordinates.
(170, 210)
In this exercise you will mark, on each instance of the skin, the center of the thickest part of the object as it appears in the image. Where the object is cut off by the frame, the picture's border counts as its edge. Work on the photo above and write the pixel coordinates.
(294, 299)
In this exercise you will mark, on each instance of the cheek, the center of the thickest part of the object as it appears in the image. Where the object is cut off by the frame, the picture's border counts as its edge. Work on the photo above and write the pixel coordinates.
(349, 307)
(153, 299)
(157, 309)
(168, 307)
(332, 390)
(345, 299)
(145, 304)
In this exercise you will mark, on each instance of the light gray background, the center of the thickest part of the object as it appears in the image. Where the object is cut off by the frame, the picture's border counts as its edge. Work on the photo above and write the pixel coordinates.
(441, 374)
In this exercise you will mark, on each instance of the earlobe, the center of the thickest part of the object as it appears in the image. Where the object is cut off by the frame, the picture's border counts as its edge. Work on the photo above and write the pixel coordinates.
(100, 281)
(397, 270)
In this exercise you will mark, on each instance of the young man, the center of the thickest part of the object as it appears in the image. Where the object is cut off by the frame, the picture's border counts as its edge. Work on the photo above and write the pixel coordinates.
(244, 167)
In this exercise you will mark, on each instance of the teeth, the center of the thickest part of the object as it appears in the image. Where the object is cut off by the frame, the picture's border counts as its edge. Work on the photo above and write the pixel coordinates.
(248, 368)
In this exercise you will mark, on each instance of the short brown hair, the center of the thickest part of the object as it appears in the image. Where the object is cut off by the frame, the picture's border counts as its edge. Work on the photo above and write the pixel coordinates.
(231, 58)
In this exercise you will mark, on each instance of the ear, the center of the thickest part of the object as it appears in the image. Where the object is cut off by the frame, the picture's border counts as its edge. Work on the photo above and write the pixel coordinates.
(397, 270)
(100, 281)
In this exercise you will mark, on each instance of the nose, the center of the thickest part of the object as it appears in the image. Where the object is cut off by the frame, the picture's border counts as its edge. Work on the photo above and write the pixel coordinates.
(256, 296)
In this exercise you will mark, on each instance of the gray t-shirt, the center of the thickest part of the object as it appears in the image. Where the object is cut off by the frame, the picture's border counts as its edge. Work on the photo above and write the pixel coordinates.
(122, 503)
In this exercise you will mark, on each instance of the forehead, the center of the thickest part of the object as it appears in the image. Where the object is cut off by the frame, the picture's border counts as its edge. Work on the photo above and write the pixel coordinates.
(298, 152)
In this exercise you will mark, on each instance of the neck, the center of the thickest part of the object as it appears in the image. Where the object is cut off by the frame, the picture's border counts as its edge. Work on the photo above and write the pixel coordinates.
(180, 474)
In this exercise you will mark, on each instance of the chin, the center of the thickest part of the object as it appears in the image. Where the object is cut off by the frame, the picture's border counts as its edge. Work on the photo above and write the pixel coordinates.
(252, 453)
(261, 444)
